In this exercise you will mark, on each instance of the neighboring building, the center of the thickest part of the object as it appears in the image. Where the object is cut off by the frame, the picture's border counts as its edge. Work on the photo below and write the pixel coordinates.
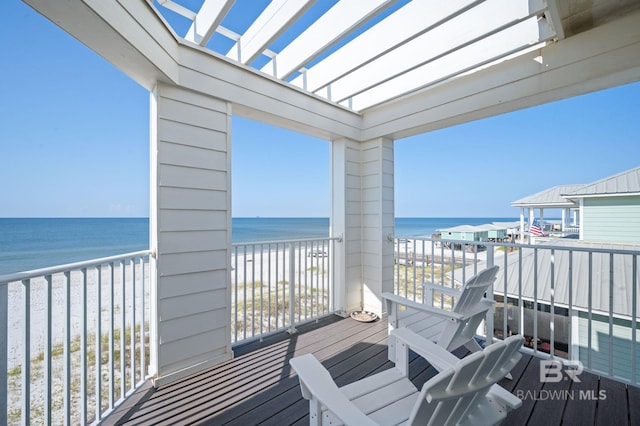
(465, 233)
(607, 210)
(551, 198)
(610, 208)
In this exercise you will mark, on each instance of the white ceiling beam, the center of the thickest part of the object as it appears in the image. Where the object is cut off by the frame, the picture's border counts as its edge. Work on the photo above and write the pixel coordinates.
(405, 24)
(604, 57)
(485, 51)
(271, 23)
(207, 20)
(475, 24)
(338, 21)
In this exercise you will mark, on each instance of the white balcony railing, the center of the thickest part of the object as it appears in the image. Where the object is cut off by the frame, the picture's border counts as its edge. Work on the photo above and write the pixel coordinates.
(73, 339)
(569, 299)
(278, 285)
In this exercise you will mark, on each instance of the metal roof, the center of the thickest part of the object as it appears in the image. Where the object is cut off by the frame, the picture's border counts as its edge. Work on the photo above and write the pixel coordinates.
(463, 228)
(622, 183)
(549, 198)
(600, 276)
(360, 54)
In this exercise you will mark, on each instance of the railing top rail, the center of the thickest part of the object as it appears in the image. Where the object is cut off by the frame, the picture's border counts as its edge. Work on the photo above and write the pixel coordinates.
(300, 240)
(534, 246)
(25, 275)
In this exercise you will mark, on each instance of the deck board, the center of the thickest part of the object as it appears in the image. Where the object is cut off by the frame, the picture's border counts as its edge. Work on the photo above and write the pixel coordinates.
(259, 387)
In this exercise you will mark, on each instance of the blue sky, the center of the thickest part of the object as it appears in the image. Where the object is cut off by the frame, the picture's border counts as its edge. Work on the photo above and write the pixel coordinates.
(76, 139)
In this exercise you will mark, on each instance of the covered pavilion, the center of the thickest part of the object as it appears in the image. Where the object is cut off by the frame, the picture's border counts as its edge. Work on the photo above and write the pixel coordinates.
(360, 75)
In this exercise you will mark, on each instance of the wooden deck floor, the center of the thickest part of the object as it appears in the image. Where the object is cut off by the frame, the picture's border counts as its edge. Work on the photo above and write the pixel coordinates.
(259, 387)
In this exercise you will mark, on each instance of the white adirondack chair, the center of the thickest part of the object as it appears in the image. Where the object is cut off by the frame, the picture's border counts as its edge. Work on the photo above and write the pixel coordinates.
(449, 329)
(462, 393)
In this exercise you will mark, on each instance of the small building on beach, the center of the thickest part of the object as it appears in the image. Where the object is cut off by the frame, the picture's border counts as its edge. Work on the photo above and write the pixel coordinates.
(465, 233)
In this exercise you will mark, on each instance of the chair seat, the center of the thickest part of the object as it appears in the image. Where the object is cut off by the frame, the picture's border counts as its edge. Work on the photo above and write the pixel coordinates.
(387, 398)
(428, 326)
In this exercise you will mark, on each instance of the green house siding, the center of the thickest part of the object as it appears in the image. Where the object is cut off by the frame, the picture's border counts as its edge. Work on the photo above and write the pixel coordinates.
(619, 344)
(465, 236)
(612, 219)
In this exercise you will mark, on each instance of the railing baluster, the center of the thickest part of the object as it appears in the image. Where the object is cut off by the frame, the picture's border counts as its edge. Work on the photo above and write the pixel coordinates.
(262, 289)
(244, 291)
(98, 335)
(123, 330)
(552, 325)
(611, 314)
(235, 290)
(292, 287)
(634, 320)
(589, 312)
(67, 348)
(47, 403)
(132, 326)
(26, 355)
(83, 348)
(535, 300)
(253, 290)
(112, 336)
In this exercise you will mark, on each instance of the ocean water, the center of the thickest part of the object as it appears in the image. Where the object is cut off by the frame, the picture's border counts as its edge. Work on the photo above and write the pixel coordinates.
(28, 243)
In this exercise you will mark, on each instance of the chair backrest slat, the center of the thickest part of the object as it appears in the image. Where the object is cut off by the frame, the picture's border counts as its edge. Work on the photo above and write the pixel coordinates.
(453, 394)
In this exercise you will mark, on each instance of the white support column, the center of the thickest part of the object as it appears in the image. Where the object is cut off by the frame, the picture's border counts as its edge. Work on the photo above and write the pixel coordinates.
(363, 214)
(563, 226)
(190, 222)
(345, 223)
(521, 225)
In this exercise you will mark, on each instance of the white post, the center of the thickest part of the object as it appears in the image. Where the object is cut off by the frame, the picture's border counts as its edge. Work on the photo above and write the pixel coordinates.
(190, 222)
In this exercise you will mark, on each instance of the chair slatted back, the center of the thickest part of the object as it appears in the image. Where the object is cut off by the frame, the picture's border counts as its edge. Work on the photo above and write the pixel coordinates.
(452, 395)
(474, 289)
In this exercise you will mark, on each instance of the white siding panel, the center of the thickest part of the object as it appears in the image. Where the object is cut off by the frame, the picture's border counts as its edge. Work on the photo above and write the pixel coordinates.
(198, 323)
(189, 156)
(186, 263)
(193, 115)
(195, 199)
(185, 177)
(196, 99)
(180, 133)
(186, 306)
(192, 220)
(178, 285)
(200, 137)
(192, 230)
(191, 350)
(190, 241)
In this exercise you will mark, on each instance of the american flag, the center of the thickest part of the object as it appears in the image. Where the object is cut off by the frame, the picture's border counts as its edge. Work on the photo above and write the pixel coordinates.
(535, 229)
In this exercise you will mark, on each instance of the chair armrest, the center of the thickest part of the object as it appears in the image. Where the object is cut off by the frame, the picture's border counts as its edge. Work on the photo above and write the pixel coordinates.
(442, 289)
(435, 355)
(390, 297)
(315, 379)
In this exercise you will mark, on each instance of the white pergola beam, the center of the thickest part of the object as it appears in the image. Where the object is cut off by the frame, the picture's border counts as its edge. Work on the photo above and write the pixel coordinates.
(448, 39)
(271, 23)
(553, 16)
(342, 18)
(207, 20)
(604, 57)
(485, 51)
(403, 25)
